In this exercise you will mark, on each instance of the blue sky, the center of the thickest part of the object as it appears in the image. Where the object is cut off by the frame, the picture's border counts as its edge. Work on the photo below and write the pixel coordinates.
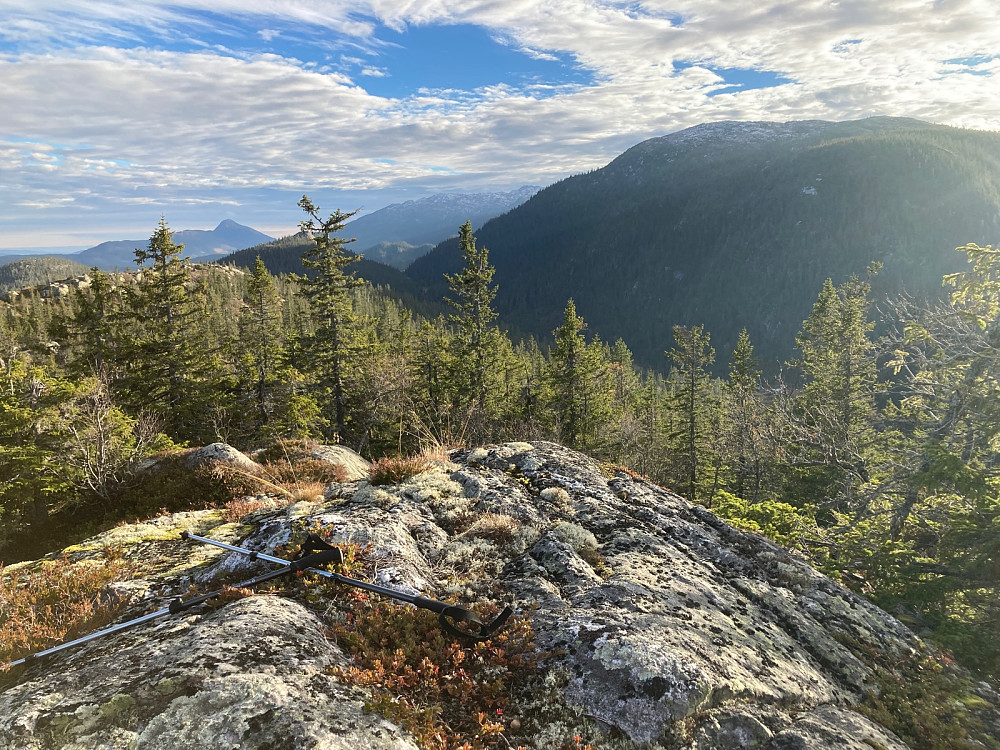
(117, 112)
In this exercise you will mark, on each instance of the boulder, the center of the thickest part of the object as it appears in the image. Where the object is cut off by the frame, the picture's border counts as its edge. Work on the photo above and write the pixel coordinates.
(220, 453)
(658, 625)
(356, 466)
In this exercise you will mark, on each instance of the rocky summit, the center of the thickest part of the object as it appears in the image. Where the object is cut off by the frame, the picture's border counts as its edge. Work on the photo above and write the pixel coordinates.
(656, 625)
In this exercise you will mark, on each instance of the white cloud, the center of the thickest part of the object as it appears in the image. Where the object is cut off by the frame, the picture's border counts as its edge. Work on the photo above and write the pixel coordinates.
(126, 121)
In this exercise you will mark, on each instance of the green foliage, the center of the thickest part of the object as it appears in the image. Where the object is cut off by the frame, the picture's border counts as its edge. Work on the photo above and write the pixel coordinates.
(785, 524)
(746, 447)
(929, 706)
(30, 436)
(832, 416)
(29, 272)
(91, 329)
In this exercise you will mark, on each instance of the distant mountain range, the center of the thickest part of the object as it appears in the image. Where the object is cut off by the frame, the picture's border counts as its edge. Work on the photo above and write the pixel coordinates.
(737, 224)
(394, 235)
(199, 244)
(399, 233)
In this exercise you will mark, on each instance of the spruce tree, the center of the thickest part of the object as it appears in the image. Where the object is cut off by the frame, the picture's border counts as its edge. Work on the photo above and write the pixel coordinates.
(335, 344)
(746, 442)
(832, 416)
(692, 357)
(477, 341)
(261, 341)
(88, 332)
(169, 368)
(581, 390)
(30, 436)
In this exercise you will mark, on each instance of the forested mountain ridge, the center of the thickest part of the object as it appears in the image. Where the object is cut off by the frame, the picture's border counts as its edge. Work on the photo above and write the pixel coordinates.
(738, 224)
(284, 256)
(29, 272)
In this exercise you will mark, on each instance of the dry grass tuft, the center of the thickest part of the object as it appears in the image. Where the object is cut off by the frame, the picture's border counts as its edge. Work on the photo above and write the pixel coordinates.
(305, 470)
(390, 470)
(239, 508)
(495, 527)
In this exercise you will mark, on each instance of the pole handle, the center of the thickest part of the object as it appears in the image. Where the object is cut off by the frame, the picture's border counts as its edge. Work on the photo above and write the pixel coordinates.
(450, 615)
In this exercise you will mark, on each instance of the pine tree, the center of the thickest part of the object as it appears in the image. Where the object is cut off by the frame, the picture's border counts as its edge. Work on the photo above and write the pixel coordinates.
(334, 345)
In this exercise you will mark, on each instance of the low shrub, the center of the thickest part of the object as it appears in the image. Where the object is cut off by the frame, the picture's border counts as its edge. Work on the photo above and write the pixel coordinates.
(289, 451)
(495, 527)
(57, 601)
(304, 470)
(448, 695)
(782, 523)
(575, 536)
(929, 705)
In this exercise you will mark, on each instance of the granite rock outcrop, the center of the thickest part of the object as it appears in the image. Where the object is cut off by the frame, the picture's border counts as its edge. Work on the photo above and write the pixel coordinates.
(661, 625)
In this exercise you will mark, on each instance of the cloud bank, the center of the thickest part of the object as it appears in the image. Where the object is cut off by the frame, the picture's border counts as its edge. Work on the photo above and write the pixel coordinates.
(113, 107)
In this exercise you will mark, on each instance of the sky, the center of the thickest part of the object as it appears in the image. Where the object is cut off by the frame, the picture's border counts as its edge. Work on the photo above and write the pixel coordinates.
(115, 113)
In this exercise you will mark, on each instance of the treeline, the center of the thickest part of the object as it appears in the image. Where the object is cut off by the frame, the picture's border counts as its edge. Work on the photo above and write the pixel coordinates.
(879, 464)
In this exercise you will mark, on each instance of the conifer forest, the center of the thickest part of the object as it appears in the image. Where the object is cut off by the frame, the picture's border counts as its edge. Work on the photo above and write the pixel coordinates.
(874, 454)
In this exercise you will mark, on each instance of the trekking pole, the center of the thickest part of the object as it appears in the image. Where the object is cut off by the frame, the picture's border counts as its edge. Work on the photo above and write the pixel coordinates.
(179, 605)
(449, 615)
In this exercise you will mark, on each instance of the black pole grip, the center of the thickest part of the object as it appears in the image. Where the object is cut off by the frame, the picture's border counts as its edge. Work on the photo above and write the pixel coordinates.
(432, 604)
(333, 555)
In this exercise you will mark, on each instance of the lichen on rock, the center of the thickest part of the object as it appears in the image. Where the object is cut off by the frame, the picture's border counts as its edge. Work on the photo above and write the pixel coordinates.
(692, 634)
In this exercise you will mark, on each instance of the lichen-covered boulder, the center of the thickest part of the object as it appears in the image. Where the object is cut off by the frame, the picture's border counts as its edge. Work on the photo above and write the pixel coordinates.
(355, 466)
(251, 675)
(220, 453)
(658, 625)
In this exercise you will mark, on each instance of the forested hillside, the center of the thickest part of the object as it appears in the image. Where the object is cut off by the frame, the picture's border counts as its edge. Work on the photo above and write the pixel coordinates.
(284, 257)
(738, 224)
(34, 271)
(879, 465)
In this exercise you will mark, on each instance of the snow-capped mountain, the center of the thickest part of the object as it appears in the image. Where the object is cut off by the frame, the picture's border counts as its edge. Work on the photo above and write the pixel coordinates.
(432, 219)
